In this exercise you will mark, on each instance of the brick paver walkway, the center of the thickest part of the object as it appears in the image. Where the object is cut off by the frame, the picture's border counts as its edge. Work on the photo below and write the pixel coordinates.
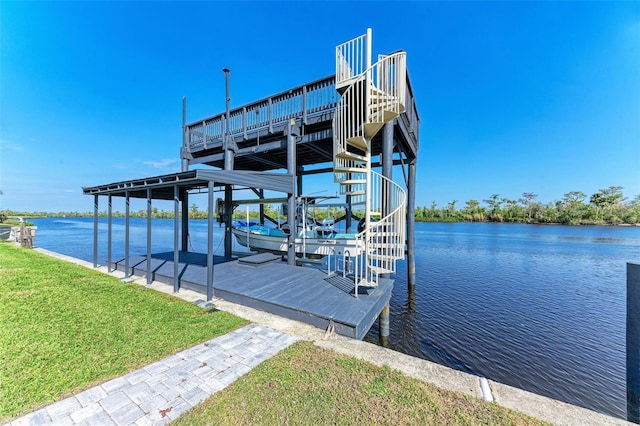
(162, 391)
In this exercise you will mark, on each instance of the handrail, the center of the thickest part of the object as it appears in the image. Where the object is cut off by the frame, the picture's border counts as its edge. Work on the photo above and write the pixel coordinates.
(375, 96)
(305, 100)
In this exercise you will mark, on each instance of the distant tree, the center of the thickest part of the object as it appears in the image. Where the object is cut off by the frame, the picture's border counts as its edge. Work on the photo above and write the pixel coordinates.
(527, 200)
(573, 207)
(495, 203)
(451, 209)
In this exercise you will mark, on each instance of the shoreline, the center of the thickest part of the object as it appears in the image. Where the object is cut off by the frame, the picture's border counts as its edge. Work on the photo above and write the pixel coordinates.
(540, 407)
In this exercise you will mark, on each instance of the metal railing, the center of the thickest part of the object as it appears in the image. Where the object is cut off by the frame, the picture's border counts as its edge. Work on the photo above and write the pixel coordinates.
(376, 95)
(301, 102)
(351, 60)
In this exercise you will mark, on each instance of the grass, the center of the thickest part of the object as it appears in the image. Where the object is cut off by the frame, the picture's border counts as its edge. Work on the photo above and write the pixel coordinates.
(308, 385)
(65, 328)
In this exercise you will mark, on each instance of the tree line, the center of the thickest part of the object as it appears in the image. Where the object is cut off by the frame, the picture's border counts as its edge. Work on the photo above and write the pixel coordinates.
(608, 206)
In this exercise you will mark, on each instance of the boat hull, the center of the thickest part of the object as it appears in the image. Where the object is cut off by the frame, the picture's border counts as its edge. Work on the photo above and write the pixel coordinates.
(311, 247)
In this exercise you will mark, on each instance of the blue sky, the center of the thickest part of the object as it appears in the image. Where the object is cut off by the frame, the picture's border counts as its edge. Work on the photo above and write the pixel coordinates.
(514, 97)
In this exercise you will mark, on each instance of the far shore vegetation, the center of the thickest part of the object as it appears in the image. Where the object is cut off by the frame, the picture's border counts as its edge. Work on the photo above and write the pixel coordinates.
(608, 206)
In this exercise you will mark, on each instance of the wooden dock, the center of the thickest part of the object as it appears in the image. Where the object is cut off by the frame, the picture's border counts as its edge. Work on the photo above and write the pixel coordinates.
(263, 282)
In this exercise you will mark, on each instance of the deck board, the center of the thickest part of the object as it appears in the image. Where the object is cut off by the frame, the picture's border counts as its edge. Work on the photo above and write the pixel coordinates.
(299, 293)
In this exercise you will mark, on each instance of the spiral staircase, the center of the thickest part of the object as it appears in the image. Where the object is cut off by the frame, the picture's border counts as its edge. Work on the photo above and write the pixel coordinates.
(371, 95)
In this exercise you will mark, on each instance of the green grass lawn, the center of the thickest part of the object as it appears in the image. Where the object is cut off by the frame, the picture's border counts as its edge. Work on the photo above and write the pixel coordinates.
(308, 385)
(64, 328)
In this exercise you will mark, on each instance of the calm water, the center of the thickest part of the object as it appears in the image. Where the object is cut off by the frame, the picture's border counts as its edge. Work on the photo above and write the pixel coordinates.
(541, 308)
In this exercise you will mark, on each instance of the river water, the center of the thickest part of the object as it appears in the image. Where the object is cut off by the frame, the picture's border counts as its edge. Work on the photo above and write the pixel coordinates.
(541, 308)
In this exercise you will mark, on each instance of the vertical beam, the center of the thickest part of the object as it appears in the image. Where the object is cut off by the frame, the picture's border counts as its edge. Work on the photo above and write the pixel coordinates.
(95, 231)
(210, 241)
(261, 195)
(228, 209)
(633, 342)
(349, 211)
(291, 213)
(229, 155)
(149, 212)
(176, 228)
(109, 232)
(387, 171)
(127, 234)
(185, 220)
(411, 226)
(300, 172)
(185, 136)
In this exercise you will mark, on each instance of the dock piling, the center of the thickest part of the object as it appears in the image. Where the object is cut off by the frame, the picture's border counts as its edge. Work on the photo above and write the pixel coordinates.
(411, 227)
(383, 326)
(633, 342)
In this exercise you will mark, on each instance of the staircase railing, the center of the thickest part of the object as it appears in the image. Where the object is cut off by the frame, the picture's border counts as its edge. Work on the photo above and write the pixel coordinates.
(371, 96)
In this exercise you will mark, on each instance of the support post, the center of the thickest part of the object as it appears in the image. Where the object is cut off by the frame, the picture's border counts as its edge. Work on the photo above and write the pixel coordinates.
(229, 154)
(185, 136)
(349, 213)
(185, 220)
(127, 234)
(291, 208)
(176, 240)
(109, 232)
(228, 209)
(411, 227)
(149, 212)
(633, 342)
(95, 231)
(299, 173)
(210, 241)
(383, 326)
(261, 195)
(387, 172)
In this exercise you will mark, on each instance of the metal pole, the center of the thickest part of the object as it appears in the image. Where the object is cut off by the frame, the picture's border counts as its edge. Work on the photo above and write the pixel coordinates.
(291, 213)
(149, 278)
(126, 235)
(348, 213)
(261, 195)
(387, 172)
(176, 240)
(95, 231)
(185, 136)
(109, 231)
(299, 173)
(229, 154)
(411, 227)
(185, 220)
(210, 242)
(228, 209)
(633, 342)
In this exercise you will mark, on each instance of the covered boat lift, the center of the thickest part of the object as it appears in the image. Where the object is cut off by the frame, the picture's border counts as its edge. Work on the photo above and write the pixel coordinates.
(175, 187)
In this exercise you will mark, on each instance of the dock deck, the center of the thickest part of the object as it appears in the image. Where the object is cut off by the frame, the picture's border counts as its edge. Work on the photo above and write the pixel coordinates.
(304, 294)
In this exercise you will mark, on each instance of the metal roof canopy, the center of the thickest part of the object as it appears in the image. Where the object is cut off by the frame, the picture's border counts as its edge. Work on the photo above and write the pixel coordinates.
(163, 186)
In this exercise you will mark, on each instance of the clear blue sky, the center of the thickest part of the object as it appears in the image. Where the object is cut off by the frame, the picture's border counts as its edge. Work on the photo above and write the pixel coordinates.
(514, 96)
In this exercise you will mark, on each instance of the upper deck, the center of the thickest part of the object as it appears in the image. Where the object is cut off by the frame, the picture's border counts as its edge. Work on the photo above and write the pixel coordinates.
(257, 130)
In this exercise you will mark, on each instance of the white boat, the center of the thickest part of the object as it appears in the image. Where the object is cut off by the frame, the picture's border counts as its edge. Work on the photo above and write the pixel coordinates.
(316, 241)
